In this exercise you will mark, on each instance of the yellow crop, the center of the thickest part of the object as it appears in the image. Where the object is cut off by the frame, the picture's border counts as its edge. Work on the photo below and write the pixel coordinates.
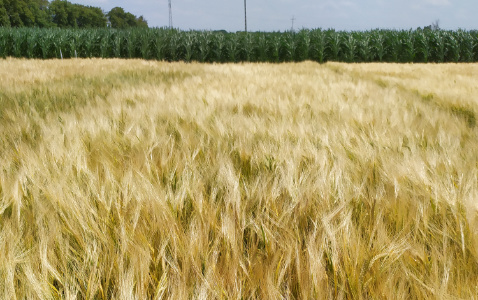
(128, 179)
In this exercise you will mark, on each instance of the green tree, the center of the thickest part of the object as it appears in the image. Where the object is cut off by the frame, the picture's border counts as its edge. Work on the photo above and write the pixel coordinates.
(27, 16)
(4, 18)
(59, 13)
(90, 17)
(141, 22)
(39, 8)
(117, 18)
(63, 14)
(24, 13)
(120, 19)
(14, 11)
(130, 20)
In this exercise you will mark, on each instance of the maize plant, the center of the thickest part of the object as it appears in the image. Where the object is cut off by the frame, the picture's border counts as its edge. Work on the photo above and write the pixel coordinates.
(189, 42)
(86, 44)
(18, 42)
(453, 47)
(394, 49)
(334, 44)
(261, 47)
(364, 47)
(3, 42)
(74, 43)
(47, 44)
(104, 43)
(204, 45)
(115, 43)
(232, 47)
(379, 47)
(466, 46)
(422, 45)
(303, 45)
(408, 45)
(438, 44)
(422, 40)
(144, 41)
(318, 45)
(172, 43)
(350, 44)
(129, 44)
(474, 44)
(159, 44)
(289, 46)
(274, 47)
(31, 44)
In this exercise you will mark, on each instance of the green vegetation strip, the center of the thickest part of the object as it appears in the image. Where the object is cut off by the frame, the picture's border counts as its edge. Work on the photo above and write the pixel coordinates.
(205, 46)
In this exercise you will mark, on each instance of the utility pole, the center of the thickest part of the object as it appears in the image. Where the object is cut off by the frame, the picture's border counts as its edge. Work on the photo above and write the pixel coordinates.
(293, 19)
(170, 16)
(245, 15)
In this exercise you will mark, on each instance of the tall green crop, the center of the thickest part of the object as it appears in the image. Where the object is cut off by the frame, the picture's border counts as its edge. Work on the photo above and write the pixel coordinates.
(206, 46)
(394, 46)
(364, 47)
(318, 45)
(453, 46)
(334, 43)
(303, 45)
(474, 35)
(261, 47)
(159, 44)
(350, 42)
(466, 45)
(439, 46)
(189, 40)
(274, 47)
(288, 46)
(18, 42)
(232, 47)
(378, 45)
(422, 42)
(408, 45)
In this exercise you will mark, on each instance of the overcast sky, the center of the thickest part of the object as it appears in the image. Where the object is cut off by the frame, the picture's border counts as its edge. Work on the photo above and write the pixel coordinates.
(276, 15)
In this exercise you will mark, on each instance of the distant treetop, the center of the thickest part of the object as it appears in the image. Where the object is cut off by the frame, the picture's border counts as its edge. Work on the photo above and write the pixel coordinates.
(64, 14)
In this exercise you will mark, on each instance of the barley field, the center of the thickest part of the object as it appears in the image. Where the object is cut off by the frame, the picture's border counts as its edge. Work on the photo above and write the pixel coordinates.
(131, 179)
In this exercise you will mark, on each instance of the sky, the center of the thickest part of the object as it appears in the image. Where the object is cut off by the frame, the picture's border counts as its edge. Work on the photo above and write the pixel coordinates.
(278, 15)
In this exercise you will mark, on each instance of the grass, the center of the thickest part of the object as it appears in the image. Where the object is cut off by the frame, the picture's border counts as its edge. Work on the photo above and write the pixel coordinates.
(130, 179)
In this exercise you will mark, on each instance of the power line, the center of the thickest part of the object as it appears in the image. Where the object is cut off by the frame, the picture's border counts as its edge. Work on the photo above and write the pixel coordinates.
(245, 15)
(170, 15)
(293, 19)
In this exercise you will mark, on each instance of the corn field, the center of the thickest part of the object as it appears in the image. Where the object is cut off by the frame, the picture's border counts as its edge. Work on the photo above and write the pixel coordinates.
(207, 46)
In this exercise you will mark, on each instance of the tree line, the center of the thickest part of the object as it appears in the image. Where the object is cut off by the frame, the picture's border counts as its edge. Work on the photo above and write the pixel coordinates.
(64, 14)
